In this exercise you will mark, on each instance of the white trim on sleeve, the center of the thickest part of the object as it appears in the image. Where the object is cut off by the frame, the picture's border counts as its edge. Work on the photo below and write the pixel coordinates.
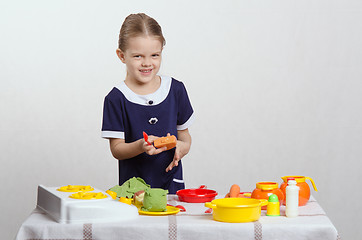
(112, 134)
(187, 124)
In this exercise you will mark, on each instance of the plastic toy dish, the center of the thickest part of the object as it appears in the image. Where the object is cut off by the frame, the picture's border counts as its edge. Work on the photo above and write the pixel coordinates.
(169, 211)
(235, 210)
(196, 195)
(88, 195)
(75, 188)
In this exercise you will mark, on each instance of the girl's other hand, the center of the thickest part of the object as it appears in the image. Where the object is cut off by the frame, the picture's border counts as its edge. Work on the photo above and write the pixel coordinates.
(182, 148)
(179, 153)
(174, 162)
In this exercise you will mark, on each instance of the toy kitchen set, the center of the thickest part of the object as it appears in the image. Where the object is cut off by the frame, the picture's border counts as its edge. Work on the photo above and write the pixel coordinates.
(284, 210)
(78, 203)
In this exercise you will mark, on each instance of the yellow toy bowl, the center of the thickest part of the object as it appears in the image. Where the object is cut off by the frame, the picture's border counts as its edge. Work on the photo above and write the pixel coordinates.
(236, 210)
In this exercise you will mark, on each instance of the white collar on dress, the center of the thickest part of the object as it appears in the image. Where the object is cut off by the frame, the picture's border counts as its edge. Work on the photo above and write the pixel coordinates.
(149, 99)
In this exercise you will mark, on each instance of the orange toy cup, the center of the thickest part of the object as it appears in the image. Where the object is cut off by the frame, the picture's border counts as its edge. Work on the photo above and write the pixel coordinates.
(304, 190)
(264, 189)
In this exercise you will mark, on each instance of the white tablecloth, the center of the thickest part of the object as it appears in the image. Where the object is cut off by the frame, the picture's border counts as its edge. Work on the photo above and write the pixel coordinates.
(312, 223)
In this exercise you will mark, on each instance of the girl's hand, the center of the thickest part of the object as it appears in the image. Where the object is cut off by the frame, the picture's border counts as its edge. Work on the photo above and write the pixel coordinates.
(182, 149)
(174, 162)
(150, 149)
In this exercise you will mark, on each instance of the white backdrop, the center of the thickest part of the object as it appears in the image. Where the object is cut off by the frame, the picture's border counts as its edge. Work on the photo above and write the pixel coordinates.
(276, 87)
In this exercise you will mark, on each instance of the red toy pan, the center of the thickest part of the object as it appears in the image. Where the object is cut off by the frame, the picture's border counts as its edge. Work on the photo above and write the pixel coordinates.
(196, 195)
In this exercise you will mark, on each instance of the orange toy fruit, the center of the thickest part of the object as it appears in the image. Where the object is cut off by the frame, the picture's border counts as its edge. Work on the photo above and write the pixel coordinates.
(169, 142)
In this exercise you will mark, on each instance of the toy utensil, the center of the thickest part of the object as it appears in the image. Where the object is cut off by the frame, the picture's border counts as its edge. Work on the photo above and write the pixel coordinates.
(209, 210)
(145, 136)
(182, 208)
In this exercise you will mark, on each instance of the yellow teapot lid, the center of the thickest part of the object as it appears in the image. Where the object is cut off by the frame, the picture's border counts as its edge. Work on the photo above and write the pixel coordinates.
(267, 185)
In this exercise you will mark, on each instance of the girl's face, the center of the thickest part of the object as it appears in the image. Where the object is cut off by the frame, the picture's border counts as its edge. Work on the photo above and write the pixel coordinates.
(142, 58)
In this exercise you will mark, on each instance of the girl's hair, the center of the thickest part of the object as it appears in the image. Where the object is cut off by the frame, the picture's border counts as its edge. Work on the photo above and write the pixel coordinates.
(136, 25)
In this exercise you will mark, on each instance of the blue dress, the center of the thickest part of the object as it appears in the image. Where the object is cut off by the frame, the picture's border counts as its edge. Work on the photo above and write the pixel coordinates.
(126, 115)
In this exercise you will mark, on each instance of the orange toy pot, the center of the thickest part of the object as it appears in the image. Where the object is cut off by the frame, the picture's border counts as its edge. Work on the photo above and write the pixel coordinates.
(264, 189)
(304, 190)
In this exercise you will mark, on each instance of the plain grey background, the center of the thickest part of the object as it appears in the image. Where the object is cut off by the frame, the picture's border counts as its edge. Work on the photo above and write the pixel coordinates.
(276, 87)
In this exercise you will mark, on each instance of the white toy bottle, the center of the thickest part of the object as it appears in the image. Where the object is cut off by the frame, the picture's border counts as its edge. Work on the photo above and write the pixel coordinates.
(291, 198)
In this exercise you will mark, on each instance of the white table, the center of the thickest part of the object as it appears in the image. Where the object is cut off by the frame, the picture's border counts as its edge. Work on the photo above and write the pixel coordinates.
(312, 223)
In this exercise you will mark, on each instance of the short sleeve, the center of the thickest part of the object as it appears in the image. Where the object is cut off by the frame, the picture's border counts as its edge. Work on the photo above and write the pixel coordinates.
(185, 114)
(112, 125)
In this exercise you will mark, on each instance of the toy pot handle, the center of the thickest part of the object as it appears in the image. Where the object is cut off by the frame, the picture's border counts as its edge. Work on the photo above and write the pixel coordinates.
(210, 205)
(247, 194)
(311, 180)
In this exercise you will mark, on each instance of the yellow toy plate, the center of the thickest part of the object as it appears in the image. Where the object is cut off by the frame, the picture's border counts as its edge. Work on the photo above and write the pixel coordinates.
(169, 211)
(75, 188)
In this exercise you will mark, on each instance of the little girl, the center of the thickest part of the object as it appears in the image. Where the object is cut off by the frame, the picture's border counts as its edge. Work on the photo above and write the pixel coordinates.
(145, 101)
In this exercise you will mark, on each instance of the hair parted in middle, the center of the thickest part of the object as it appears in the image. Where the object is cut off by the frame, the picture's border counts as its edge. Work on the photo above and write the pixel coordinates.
(136, 25)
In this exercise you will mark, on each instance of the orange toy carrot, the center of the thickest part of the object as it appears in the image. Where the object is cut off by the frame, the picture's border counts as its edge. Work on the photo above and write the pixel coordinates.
(234, 191)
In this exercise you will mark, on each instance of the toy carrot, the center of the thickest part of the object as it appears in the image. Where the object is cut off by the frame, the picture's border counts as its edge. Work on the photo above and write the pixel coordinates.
(234, 191)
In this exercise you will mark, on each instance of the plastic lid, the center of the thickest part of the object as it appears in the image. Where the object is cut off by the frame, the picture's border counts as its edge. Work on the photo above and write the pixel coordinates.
(291, 181)
(273, 198)
(290, 178)
(267, 185)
